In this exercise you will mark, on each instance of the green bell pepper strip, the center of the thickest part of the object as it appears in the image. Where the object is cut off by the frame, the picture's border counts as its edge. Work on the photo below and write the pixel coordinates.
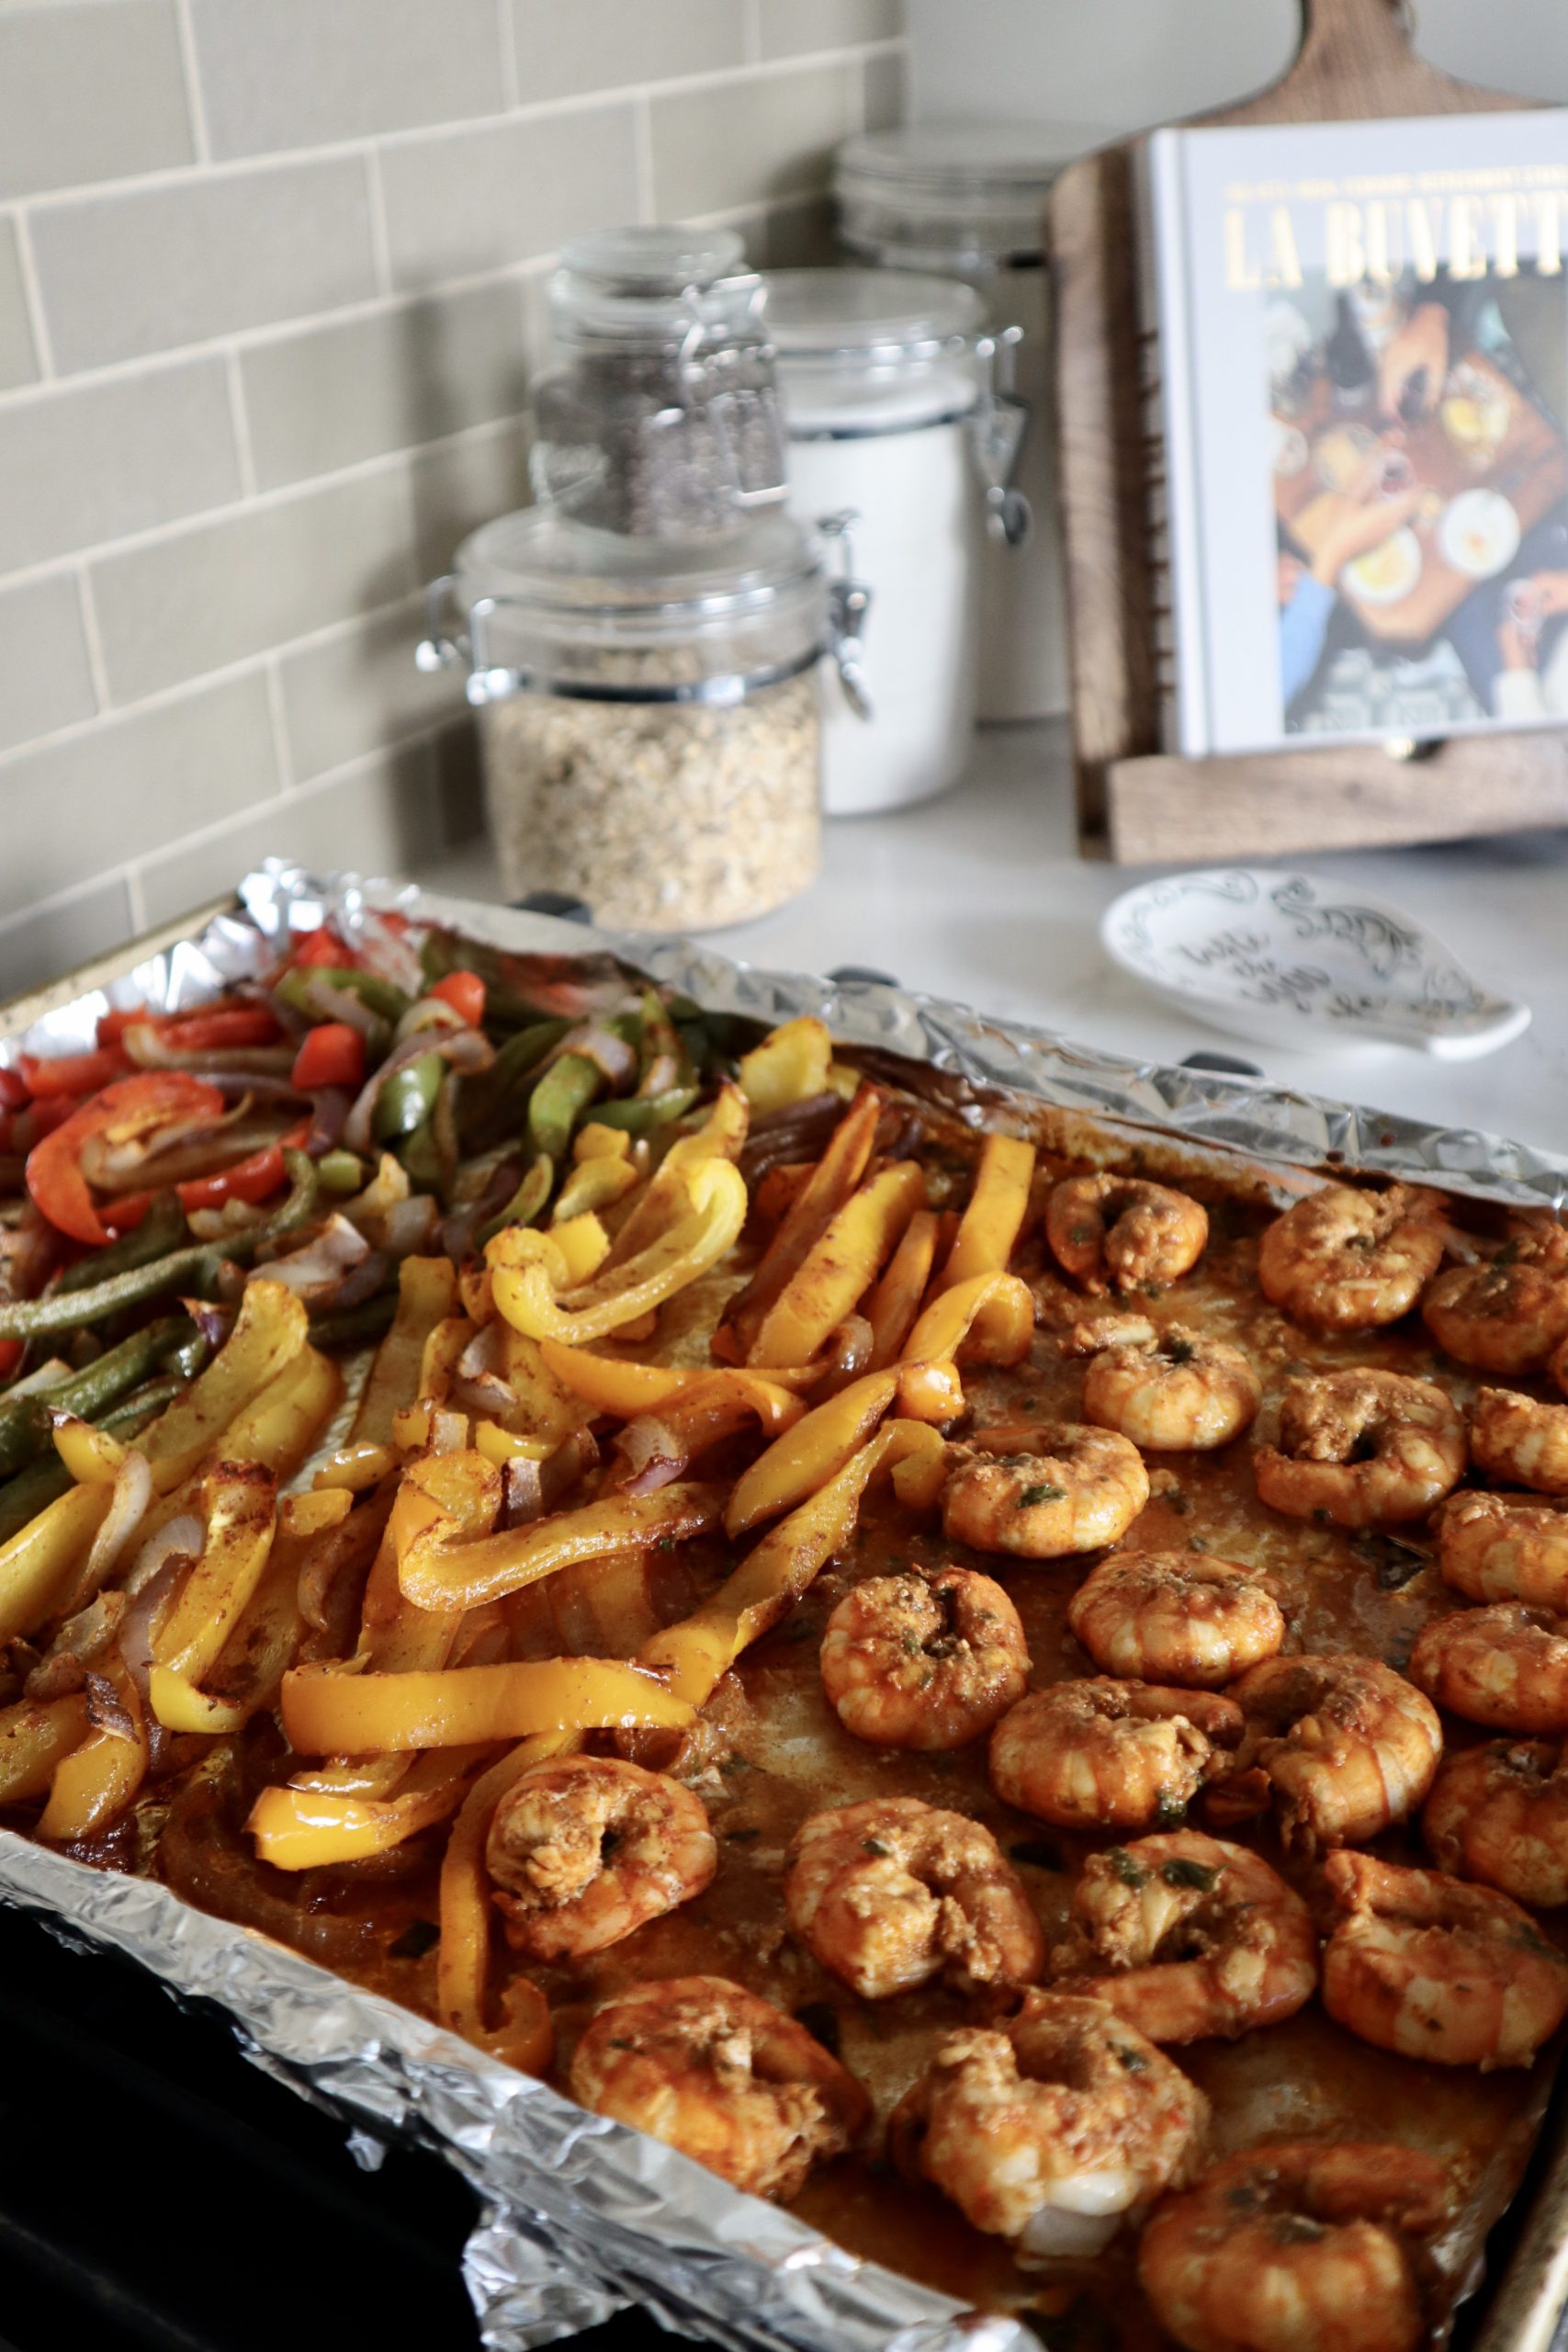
(505, 1008)
(193, 1270)
(377, 996)
(526, 1202)
(407, 1099)
(342, 1326)
(485, 1098)
(295, 1210)
(25, 1422)
(32, 1489)
(640, 1113)
(421, 1158)
(340, 1172)
(558, 1101)
(161, 1229)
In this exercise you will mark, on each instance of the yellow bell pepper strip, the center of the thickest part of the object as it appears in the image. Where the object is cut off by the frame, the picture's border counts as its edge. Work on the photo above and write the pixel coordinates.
(94, 1456)
(440, 1357)
(447, 1498)
(720, 1136)
(655, 1448)
(596, 1183)
(268, 1335)
(989, 1319)
(546, 1409)
(429, 1427)
(354, 1469)
(596, 1141)
(895, 1303)
(328, 1713)
(502, 1446)
(991, 1224)
(433, 1572)
(462, 1967)
(278, 1432)
(38, 1564)
(627, 1390)
(94, 1784)
(824, 1193)
(789, 1066)
(35, 1736)
(702, 1649)
(527, 1272)
(242, 1519)
(583, 1243)
(267, 1640)
(817, 1448)
(839, 1268)
(427, 1289)
(302, 1828)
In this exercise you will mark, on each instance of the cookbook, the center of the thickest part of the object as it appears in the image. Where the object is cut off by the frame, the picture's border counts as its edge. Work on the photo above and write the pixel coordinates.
(1358, 372)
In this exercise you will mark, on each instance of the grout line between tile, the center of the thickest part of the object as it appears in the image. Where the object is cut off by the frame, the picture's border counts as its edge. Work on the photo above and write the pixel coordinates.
(381, 241)
(32, 295)
(570, 103)
(282, 749)
(281, 495)
(239, 418)
(67, 898)
(191, 65)
(91, 636)
(187, 689)
(506, 38)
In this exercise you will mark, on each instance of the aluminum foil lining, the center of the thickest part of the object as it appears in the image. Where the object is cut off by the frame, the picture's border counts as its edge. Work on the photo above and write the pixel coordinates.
(579, 2216)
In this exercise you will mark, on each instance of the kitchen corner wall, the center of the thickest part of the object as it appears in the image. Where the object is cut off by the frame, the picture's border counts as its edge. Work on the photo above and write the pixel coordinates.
(270, 285)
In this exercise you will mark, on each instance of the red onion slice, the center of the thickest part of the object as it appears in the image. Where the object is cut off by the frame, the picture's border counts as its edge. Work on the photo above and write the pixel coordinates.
(467, 1050)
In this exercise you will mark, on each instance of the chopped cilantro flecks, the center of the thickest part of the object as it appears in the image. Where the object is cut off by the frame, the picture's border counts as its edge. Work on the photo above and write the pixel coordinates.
(1124, 1867)
(1132, 2060)
(1180, 1350)
(874, 1846)
(1199, 1876)
(1045, 1494)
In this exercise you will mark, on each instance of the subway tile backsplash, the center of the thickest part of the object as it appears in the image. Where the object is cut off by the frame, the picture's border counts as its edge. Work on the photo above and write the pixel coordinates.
(270, 288)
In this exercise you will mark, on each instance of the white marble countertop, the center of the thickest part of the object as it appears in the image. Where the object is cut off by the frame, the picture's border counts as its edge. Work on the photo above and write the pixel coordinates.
(980, 897)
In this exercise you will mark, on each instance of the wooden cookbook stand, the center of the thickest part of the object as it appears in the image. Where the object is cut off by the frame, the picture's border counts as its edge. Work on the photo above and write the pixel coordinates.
(1139, 804)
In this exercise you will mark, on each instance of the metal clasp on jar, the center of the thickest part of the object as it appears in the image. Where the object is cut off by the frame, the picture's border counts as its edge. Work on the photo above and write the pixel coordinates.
(441, 646)
(1000, 419)
(849, 601)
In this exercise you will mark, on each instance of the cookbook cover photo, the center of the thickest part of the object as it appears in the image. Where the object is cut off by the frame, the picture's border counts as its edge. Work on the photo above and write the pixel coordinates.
(1363, 383)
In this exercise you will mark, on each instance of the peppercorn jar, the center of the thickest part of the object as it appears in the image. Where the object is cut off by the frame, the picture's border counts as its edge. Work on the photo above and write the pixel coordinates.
(663, 417)
(649, 712)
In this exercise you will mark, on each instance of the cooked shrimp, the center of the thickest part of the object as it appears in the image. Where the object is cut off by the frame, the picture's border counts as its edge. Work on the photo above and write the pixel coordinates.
(1343, 1260)
(927, 1662)
(891, 1892)
(1084, 1491)
(1424, 1964)
(1513, 1437)
(1121, 1756)
(1361, 1448)
(721, 2075)
(1343, 1746)
(586, 1850)
(1509, 1313)
(1119, 1232)
(1176, 1617)
(1499, 1812)
(1298, 2247)
(1055, 2130)
(1188, 1938)
(1505, 1667)
(1491, 1548)
(1170, 1392)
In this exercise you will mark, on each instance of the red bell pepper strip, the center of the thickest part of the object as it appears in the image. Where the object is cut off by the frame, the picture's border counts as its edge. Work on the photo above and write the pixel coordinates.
(133, 1107)
(248, 1180)
(218, 1027)
(323, 947)
(113, 1025)
(332, 1055)
(72, 1073)
(13, 1089)
(465, 992)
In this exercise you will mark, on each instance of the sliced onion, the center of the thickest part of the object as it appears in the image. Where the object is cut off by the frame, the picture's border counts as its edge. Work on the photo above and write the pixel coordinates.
(850, 1344)
(459, 1226)
(195, 1151)
(214, 1322)
(467, 1050)
(45, 1376)
(152, 1585)
(651, 1454)
(330, 1107)
(611, 1054)
(343, 1004)
(116, 1531)
(180, 1540)
(408, 1227)
(80, 1642)
(574, 1458)
(523, 1492)
(478, 1382)
(146, 1048)
(318, 1273)
(428, 1013)
(799, 1132)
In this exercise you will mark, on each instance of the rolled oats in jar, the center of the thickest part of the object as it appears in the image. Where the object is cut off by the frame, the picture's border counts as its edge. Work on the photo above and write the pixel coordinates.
(648, 713)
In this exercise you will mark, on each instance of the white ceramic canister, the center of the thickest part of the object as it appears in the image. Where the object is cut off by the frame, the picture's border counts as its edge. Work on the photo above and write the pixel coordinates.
(884, 377)
(968, 200)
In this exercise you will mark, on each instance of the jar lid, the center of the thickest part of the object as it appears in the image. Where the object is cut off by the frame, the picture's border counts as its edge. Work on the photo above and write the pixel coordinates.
(959, 187)
(538, 574)
(867, 316)
(628, 284)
